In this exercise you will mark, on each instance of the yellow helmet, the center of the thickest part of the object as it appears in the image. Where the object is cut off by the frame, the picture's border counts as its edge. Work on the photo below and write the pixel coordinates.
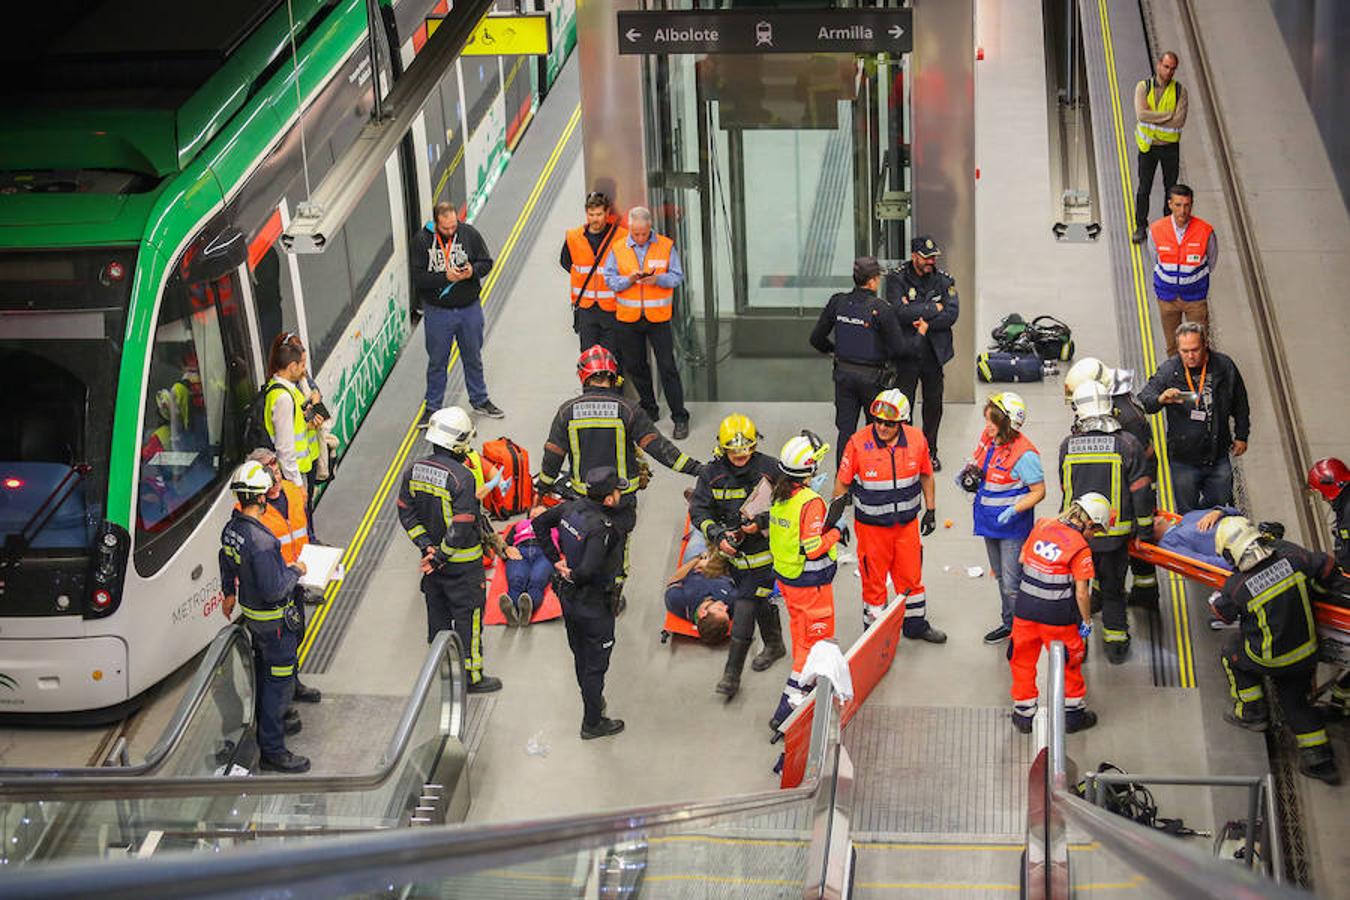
(737, 434)
(1234, 536)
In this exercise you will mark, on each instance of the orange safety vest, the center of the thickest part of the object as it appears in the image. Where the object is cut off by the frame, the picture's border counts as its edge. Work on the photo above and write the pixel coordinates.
(644, 300)
(291, 529)
(583, 260)
(1182, 270)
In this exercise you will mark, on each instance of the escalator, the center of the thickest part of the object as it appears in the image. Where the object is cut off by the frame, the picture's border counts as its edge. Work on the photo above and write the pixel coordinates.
(188, 793)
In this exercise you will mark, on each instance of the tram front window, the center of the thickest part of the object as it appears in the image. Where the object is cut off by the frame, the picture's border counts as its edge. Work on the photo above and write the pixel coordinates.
(61, 316)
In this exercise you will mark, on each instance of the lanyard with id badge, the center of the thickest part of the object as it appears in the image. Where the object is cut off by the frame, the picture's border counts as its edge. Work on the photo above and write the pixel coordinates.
(1198, 413)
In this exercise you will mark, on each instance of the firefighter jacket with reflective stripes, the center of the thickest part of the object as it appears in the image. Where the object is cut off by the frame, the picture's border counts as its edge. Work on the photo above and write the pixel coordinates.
(1146, 134)
(884, 478)
(804, 552)
(584, 256)
(253, 569)
(588, 542)
(1341, 530)
(285, 517)
(603, 428)
(715, 506)
(1182, 269)
(1001, 488)
(866, 331)
(1053, 558)
(438, 506)
(1273, 603)
(1134, 422)
(1111, 465)
(649, 300)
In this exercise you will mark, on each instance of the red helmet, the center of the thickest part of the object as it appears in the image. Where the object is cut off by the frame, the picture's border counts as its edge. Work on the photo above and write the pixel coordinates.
(1327, 476)
(596, 360)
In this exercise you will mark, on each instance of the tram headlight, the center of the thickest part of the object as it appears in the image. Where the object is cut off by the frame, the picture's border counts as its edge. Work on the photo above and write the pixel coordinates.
(107, 570)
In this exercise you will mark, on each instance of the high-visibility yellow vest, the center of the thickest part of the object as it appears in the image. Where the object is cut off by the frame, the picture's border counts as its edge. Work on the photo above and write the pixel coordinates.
(789, 550)
(306, 438)
(1145, 134)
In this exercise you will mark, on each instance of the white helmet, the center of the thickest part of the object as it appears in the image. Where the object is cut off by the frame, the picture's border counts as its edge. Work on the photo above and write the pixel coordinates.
(1096, 507)
(452, 429)
(251, 479)
(891, 405)
(1089, 368)
(1012, 405)
(1090, 401)
(1235, 538)
(802, 454)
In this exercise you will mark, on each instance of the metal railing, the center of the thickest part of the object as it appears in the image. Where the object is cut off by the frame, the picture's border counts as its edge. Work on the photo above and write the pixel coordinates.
(1159, 862)
(443, 664)
(377, 862)
(230, 639)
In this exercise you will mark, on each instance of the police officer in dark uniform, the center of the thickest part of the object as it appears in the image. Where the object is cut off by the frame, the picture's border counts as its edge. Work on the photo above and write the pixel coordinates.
(715, 509)
(1098, 456)
(924, 299)
(253, 573)
(589, 561)
(1270, 594)
(438, 508)
(867, 337)
(1119, 383)
(589, 431)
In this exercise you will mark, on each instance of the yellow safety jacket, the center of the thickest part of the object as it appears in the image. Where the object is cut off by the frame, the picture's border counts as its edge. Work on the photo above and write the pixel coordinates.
(1146, 134)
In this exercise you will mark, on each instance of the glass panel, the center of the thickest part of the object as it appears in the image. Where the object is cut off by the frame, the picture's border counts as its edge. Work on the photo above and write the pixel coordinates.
(213, 736)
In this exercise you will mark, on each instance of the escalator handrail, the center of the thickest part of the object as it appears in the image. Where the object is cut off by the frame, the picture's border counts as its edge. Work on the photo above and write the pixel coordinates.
(197, 690)
(1165, 861)
(345, 865)
(444, 660)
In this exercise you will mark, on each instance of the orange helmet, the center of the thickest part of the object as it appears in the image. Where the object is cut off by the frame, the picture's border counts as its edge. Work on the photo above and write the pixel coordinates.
(1327, 477)
(596, 360)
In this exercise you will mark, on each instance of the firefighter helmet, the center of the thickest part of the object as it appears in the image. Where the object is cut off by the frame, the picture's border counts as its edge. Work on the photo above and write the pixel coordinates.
(737, 434)
(1012, 405)
(251, 479)
(890, 406)
(452, 429)
(1327, 477)
(1091, 401)
(801, 455)
(1234, 536)
(1097, 508)
(596, 360)
(1089, 368)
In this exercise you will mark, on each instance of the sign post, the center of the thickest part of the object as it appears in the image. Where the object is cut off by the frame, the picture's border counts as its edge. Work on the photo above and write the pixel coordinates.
(766, 31)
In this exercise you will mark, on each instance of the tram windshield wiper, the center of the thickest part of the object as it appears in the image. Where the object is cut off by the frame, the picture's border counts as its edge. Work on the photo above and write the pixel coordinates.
(17, 543)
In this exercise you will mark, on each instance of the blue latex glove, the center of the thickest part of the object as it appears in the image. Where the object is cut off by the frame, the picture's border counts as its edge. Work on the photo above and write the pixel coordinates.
(818, 481)
(1005, 515)
(1084, 630)
(505, 487)
(494, 481)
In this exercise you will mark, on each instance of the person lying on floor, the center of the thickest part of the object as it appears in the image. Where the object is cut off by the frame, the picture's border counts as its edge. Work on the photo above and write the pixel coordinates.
(701, 592)
(527, 571)
(1192, 535)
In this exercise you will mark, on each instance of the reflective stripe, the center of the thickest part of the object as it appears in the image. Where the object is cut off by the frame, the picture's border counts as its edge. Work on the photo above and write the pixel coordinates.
(283, 671)
(462, 554)
(1035, 590)
(262, 615)
(993, 488)
(1251, 693)
(999, 501)
(730, 493)
(1050, 577)
(1112, 636)
(416, 531)
(753, 560)
(644, 304)
(817, 565)
(1312, 738)
(881, 509)
(1257, 607)
(886, 484)
(1201, 271)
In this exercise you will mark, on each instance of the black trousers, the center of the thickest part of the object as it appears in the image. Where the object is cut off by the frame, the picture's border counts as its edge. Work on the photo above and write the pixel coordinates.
(1169, 157)
(925, 370)
(590, 634)
(455, 598)
(633, 339)
(1111, 566)
(595, 326)
(855, 387)
(1292, 688)
(753, 589)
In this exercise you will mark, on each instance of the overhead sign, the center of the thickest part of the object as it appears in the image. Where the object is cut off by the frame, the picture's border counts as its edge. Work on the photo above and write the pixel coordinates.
(507, 36)
(767, 31)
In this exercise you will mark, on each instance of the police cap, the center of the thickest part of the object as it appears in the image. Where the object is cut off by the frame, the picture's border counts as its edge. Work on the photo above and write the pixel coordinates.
(865, 268)
(603, 481)
(924, 245)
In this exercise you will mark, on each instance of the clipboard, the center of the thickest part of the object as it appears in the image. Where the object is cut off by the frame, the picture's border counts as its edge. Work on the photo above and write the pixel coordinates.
(757, 504)
(322, 565)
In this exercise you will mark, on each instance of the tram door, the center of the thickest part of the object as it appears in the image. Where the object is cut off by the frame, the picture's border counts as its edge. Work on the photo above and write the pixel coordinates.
(772, 173)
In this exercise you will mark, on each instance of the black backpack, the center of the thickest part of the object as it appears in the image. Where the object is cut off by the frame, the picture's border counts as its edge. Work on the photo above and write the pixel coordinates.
(1051, 338)
(1012, 335)
(255, 422)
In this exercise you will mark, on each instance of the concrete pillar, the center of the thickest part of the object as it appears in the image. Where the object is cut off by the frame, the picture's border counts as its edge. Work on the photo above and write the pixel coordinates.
(612, 105)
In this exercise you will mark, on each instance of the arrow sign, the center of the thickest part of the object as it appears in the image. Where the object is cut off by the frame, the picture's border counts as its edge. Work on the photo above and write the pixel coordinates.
(766, 30)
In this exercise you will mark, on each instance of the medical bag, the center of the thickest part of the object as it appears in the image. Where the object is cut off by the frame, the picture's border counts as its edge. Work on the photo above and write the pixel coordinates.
(513, 461)
(998, 365)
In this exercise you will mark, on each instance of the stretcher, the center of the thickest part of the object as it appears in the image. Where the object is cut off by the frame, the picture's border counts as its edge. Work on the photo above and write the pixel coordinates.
(1333, 615)
(548, 608)
(674, 624)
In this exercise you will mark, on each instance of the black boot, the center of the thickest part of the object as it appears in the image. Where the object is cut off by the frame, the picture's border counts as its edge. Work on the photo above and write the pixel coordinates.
(731, 675)
(771, 632)
(1317, 762)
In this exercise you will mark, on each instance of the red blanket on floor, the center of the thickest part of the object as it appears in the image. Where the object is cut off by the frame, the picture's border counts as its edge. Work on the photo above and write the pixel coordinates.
(549, 608)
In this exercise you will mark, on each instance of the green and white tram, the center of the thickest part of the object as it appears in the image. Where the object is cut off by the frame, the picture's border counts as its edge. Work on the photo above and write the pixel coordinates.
(147, 171)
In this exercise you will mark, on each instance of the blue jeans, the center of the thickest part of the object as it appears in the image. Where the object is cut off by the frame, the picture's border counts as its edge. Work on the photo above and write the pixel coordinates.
(1202, 487)
(1007, 568)
(529, 574)
(442, 327)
